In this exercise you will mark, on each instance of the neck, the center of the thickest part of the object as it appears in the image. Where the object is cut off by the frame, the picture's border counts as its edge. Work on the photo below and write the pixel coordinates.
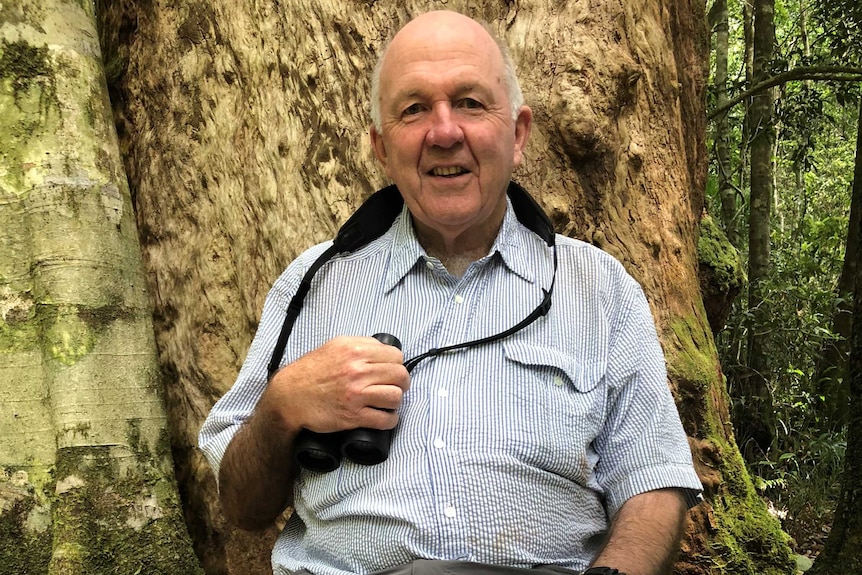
(457, 252)
(457, 264)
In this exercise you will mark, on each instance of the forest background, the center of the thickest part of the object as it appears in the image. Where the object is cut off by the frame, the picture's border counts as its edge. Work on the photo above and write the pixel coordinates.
(785, 342)
(708, 147)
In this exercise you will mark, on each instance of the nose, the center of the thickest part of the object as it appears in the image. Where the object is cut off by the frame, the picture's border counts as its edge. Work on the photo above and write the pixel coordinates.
(444, 131)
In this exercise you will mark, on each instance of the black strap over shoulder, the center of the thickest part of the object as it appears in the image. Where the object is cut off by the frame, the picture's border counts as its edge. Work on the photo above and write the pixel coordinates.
(530, 213)
(379, 211)
(370, 221)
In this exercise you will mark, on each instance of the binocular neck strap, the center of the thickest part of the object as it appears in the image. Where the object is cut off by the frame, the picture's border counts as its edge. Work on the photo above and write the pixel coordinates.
(373, 218)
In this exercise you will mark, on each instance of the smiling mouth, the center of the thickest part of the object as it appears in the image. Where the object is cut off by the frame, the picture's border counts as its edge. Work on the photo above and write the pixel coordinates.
(449, 171)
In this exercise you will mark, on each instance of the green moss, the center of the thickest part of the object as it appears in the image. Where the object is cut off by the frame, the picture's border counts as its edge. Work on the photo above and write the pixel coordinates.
(19, 326)
(692, 362)
(29, 108)
(67, 337)
(24, 65)
(25, 545)
(70, 332)
(749, 541)
(744, 539)
(110, 518)
(715, 251)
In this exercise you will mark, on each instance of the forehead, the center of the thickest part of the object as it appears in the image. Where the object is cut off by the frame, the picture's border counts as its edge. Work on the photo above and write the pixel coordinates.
(451, 50)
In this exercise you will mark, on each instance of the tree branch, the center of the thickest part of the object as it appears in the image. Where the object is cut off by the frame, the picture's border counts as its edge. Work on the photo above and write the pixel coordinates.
(836, 73)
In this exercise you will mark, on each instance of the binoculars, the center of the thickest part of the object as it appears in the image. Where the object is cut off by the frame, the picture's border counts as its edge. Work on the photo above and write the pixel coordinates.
(322, 452)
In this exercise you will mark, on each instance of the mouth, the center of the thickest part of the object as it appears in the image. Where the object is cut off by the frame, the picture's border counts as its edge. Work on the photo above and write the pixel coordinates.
(448, 171)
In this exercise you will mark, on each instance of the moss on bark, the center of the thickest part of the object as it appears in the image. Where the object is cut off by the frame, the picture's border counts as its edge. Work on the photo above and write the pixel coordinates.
(720, 270)
(715, 251)
(745, 538)
(749, 541)
(25, 536)
(86, 477)
(116, 514)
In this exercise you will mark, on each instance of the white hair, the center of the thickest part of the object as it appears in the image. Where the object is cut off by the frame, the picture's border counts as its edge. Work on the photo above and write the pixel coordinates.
(510, 78)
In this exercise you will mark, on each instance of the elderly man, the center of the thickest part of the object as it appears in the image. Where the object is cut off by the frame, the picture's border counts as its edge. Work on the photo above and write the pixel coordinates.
(531, 426)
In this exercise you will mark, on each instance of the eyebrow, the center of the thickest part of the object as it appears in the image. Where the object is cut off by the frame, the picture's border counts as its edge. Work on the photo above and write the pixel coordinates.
(460, 90)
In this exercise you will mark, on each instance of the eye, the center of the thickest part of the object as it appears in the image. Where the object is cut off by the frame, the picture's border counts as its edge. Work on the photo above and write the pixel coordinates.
(412, 109)
(470, 104)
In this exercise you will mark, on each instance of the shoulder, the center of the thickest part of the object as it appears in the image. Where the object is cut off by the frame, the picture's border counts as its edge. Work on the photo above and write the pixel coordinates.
(583, 260)
(288, 282)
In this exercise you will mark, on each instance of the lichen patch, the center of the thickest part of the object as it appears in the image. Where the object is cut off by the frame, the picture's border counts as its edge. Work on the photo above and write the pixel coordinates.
(69, 483)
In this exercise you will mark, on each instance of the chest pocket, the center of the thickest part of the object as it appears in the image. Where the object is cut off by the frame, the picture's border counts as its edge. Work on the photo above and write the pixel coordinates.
(560, 405)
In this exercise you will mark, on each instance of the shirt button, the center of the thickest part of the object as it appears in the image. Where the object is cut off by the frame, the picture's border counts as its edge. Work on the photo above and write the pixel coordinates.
(449, 512)
(439, 443)
(443, 392)
(429, 264)
(459, 298)
(558, 381)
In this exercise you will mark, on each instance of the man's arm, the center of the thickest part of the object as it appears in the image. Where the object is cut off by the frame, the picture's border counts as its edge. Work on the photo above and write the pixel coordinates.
(257, 472)
(645, 533)
(348, 382)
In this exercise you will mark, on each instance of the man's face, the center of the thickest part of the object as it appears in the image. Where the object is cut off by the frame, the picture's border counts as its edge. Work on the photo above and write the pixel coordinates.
(448, 140)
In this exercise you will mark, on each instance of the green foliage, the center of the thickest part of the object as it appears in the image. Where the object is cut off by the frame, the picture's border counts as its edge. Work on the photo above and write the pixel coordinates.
(813, 169)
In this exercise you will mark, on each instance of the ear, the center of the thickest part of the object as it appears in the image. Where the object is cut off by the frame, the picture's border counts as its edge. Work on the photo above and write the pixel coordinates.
(523, 125)
(378, 145)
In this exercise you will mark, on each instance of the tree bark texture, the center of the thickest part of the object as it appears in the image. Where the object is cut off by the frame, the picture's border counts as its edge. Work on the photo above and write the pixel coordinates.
(86, 476)
(755, 414)
(246, 131)
(726, 189)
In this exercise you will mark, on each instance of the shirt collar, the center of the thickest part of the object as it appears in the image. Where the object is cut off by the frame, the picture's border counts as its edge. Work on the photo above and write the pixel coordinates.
(511, 244)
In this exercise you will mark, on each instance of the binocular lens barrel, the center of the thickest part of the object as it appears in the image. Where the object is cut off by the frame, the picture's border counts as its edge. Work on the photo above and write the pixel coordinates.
(318, 451)
(322, 452)
(367, 446)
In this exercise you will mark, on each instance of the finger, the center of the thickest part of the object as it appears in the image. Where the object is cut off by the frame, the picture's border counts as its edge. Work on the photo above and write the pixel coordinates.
(383, 396)
(366, 349)
(377, 419)
(385, 353)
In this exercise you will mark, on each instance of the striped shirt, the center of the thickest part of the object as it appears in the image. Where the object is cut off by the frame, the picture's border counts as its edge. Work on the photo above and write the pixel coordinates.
(513, 453)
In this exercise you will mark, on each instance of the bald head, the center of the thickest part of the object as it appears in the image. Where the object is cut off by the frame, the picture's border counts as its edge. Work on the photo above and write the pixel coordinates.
(433, 30)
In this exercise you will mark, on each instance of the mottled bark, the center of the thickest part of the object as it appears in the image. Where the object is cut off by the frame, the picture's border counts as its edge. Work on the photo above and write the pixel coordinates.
(246, 130)
(86, 476)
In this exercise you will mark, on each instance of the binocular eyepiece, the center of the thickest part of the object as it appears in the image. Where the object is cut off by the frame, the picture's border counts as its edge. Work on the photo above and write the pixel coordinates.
(322, 452)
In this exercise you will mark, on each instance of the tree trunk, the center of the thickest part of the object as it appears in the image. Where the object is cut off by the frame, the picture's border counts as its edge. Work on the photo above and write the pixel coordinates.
(86, 476)
(755, 415)
(726, 189)
(841, 552)
(246, 130)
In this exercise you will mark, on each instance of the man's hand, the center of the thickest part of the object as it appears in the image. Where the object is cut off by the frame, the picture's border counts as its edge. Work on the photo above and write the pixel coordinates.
(645, 534)
(346, 383)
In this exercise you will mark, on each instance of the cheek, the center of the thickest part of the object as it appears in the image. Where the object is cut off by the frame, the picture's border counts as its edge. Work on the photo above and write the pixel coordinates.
(405, 151)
